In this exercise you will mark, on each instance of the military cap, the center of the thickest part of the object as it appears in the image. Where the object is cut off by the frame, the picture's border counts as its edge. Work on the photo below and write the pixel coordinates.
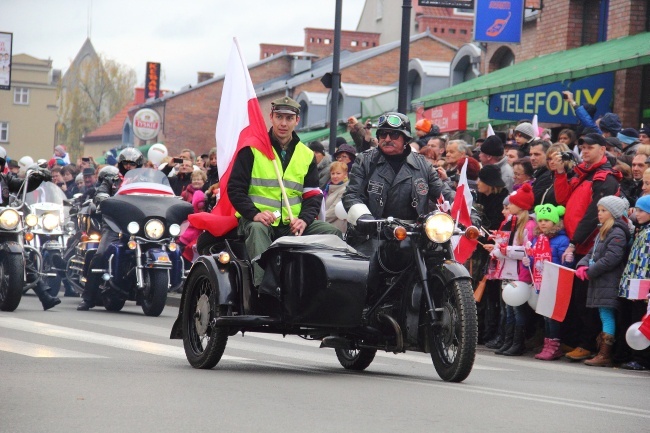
(285, 105)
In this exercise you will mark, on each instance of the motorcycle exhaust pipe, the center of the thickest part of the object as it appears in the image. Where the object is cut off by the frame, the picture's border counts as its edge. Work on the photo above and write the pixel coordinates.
(399, 339)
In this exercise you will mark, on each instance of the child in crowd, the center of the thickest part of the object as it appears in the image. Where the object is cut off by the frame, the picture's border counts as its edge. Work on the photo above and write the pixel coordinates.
(549, 244)
(521, 228)
(334, 192)
(638, 267)
(193, 193)
(603, 267)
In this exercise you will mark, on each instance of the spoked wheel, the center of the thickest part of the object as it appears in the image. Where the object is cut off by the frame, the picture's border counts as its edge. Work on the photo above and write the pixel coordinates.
(156, 283)
(204, 343)
(11, 281)
(358, 359)
(453, 344)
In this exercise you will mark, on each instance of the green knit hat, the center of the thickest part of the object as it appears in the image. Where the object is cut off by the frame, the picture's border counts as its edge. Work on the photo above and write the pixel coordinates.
(549, 212)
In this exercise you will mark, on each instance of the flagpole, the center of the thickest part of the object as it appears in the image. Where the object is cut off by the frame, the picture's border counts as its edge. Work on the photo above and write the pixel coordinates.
(284, 192)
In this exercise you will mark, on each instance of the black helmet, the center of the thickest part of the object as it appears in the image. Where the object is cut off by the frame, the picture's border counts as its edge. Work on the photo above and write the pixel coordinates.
(130, 154)
(394, 121)
(108, 171)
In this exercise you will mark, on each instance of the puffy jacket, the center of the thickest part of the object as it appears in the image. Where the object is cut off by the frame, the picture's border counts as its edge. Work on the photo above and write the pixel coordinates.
(580, 196)
(403, 195)
(605, 272)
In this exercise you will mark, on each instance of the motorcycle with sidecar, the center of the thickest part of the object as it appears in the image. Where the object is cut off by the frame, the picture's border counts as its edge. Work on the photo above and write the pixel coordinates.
(412, 296)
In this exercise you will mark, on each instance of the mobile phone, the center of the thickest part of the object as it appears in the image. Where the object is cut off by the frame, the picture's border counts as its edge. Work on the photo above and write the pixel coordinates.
(565, 96)
(84, 159)
(178, 160)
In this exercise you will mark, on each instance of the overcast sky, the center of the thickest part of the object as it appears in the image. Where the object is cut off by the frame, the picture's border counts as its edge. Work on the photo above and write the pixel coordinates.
(184, 36)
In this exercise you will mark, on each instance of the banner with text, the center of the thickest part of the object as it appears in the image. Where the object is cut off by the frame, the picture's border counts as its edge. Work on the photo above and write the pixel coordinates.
(6, 40)
(547, 102)
(498, 21)
(152, 80)
(448, 117)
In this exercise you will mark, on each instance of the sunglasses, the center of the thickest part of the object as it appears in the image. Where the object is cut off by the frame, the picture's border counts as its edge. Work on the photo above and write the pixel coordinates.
(392, 120)
(394, 135)
(129, 164)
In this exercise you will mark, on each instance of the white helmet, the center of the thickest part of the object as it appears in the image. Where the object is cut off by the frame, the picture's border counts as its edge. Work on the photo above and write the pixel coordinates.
(157, 153)
(24, 163)
(3, 153)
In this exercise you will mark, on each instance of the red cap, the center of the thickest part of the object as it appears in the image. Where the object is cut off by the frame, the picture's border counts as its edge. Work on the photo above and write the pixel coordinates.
(523, 197)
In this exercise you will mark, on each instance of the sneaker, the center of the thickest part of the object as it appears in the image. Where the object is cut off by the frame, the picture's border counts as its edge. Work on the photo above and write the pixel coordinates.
(633, 365)
(579, 354)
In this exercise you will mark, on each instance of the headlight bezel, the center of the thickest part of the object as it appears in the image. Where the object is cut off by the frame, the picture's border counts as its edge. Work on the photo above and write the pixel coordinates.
(154, 229)
(9, 219)
(439, 227)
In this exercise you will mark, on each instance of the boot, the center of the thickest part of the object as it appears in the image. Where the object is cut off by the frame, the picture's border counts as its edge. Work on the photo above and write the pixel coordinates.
(544, 349)
(507, 341)
(551, 350)
(518, 342)
(604, 357)
(46, 299)
(497, 341)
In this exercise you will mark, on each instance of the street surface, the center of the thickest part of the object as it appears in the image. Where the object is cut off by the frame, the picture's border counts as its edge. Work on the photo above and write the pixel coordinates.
(69, 371)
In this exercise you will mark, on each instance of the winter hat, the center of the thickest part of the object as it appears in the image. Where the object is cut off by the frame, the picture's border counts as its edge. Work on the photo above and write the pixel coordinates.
(645, 130)
(610, 123)
(615, 205)
(317, 146)
(346, 148)
(523, 197)
(628, 135)
(526, 129)
(491, 176)
(615, 142)
(492, 146)
(643, 203)
(549, 212)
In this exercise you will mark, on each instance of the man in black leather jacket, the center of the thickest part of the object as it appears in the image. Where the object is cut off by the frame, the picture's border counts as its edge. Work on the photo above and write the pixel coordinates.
(390, 180)
(128, 159)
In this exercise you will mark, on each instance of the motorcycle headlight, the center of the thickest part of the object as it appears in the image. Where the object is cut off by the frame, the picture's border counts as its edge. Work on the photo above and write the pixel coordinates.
(31, 220)
(174, 229)
(154, 229)
(133, 227)
(439, 227)
(9, 219)
(50, 221)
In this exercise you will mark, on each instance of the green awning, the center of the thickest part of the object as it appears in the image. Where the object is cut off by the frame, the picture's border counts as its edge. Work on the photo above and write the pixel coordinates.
(477, 115)
(324, 134)
(623, 53)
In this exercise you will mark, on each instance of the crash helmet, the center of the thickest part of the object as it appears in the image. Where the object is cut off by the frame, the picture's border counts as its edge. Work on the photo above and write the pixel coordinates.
(394, 121)
(130, 154)
(23, 164)
(3, 158)
(107, 172)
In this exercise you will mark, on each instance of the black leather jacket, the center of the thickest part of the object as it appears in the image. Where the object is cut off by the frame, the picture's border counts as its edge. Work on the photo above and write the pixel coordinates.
(404, 195)
(107, 188)
(10, 183)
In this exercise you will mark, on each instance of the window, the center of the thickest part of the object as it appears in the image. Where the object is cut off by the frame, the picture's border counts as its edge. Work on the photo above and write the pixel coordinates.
(4, 132)
(463, 31)
(21, 96)
(379, 11)
(364, 43)
(353, 43)
(463, 11)
(326, 41)
(452, 31)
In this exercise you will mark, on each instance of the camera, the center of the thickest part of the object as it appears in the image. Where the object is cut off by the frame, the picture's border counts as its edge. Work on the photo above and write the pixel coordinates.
(85, 159)
(565, 96)
(567, 156)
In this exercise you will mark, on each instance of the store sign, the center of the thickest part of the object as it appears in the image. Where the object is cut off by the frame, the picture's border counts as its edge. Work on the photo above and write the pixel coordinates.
(498, 21)
(146, 124)
(448, 117)
(152, 80)
(465, 4)
(6, 40)
(547, 101)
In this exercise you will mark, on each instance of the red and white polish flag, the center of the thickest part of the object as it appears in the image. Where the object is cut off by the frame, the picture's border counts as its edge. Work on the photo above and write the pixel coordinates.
(240, 124)
(460, 211)
(555, 291)
(639, 289)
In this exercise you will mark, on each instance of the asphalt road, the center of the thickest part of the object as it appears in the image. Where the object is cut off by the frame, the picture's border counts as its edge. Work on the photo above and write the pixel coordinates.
(69, 371)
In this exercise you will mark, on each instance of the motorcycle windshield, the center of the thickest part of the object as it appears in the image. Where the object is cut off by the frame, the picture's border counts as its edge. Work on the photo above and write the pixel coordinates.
(145, 181)
(47, 192)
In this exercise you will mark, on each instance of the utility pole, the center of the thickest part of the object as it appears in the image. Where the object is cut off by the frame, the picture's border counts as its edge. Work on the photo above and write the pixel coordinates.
(402, 100)
(336, 77)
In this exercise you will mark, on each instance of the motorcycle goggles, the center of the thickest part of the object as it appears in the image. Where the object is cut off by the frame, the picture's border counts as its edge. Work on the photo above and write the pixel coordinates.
(394, 135)
(392, 120)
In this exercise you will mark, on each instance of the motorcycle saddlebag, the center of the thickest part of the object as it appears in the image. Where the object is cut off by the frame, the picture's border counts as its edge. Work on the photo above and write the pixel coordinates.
(319, 280)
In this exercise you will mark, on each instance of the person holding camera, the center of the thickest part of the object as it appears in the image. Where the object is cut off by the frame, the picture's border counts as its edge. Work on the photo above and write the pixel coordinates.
(595, 178)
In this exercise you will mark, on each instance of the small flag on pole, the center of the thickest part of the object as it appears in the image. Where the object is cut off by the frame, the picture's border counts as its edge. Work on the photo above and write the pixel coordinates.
(490, 131)
(555, 291)
(639, 289)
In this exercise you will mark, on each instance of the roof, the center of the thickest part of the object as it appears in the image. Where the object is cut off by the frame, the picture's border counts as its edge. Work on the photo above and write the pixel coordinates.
(112, 129)
(363, 90)
(621, 53)
(314, 98)
(430, 68)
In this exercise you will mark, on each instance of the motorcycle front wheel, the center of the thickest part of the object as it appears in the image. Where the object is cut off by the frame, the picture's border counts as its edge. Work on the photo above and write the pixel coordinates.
(156, 282)
(453, 344)
(204, 343)
(357, 360)
(11, 281)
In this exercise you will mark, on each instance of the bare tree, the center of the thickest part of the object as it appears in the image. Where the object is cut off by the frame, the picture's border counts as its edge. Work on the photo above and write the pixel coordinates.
(90, 96)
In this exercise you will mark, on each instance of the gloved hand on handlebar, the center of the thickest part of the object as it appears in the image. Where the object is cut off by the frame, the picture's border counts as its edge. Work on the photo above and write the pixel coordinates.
(364, 226)
(100, 197)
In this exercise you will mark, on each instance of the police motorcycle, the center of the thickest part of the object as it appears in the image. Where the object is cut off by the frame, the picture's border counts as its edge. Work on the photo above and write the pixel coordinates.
(317, 287)
(145, 261)
(48, 230)
(20, 263)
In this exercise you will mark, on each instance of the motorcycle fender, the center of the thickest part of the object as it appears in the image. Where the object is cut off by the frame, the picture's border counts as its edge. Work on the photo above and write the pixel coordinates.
(11, 247)
(447, 273)
(157, 258)
(219, 279)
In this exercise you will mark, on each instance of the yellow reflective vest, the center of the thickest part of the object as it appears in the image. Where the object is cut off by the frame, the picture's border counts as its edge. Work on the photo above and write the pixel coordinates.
(265, 191)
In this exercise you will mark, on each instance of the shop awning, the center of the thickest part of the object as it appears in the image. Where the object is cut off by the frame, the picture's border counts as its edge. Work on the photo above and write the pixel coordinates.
(622, 53)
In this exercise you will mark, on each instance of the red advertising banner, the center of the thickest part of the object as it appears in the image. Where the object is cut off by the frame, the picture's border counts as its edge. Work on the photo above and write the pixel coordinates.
(448, 117)
(152, 81)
